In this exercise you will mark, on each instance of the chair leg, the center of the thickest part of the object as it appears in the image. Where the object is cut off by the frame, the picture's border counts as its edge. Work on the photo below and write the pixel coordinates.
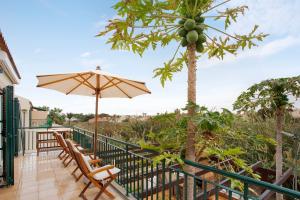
(60, 154)
(103, 189)
(69, 162)
(73, 172)
(84, 189)
(66, 159)
(77, 179)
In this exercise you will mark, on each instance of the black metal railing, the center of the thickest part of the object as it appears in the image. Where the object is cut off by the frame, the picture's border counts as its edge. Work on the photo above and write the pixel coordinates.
(144, 179)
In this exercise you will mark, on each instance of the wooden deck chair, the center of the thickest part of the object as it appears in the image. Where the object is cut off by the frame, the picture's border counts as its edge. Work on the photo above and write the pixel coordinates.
(100, 177)
(90, 157)
(63, 153)
(63, 144)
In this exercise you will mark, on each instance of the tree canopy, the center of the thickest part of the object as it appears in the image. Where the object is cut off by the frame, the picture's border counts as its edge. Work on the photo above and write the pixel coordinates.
(269, 95)
(144, 24)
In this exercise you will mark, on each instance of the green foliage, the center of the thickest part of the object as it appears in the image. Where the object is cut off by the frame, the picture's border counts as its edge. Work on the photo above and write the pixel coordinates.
(269, 95)
(169, 158)
(212, 120)
(45, 108)
(145, 24)
(57, 116)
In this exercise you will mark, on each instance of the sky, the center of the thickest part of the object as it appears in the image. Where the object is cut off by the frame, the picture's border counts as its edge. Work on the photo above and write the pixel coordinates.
(55, 36)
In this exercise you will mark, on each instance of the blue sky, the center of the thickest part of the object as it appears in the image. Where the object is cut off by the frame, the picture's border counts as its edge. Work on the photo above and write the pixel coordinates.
(54, 36)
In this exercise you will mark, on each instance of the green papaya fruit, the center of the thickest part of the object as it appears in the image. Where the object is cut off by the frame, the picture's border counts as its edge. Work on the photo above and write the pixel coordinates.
(182, 32)
(181, 21)
(184, 42)
(199, 29)
(189, 24)
(192, 36)
(199, 19)
(199, 47)
(201, 38)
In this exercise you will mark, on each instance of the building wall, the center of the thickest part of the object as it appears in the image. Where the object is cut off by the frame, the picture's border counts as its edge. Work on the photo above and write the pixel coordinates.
(4, 80)
(38, 118)
(25, 106)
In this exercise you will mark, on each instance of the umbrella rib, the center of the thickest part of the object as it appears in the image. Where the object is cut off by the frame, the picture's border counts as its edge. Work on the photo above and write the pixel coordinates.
(103, 87)
(147, 91)
(76, 79)
(81, 83)
(118, 87)
(112, 84)
(57, 81)
(88, 83)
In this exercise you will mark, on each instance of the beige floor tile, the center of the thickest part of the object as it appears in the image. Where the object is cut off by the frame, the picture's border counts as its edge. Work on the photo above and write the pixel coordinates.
(45, 177)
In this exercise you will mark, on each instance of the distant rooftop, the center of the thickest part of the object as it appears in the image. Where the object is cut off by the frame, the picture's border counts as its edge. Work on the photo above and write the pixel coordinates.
(4, 47)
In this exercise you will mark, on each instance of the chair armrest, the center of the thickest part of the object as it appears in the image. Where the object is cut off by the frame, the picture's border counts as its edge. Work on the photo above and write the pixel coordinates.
(101, 169)
(95, 161)
(85, 151)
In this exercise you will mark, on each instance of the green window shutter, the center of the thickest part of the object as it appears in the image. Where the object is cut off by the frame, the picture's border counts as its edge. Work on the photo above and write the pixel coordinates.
(9, 146)
(16, 114)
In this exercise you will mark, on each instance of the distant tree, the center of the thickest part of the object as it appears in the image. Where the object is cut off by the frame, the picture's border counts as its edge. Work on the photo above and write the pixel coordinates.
(46, 108)
(69, 116)
(87, 117)
(272, 95)
(57, 116)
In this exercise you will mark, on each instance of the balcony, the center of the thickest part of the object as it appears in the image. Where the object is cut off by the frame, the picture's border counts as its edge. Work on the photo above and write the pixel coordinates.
(44, 177)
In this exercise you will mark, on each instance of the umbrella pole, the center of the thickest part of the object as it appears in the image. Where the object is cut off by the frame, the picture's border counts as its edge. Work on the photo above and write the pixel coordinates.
(96, 124)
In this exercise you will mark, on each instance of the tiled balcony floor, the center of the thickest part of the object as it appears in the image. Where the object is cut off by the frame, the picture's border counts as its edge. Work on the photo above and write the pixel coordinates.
(44, 178)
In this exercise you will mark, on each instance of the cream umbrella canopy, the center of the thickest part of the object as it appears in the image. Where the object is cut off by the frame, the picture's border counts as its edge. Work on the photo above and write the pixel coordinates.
(95, 83)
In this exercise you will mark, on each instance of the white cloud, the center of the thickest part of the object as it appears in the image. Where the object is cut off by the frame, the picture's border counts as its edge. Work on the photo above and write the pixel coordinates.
(267, 49)
(85, 54)
(275, 17)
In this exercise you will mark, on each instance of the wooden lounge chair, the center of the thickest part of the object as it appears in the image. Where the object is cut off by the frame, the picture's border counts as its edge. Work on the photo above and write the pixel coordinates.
(90, 157)
(63, 153)
(100, 177)
(66, 150)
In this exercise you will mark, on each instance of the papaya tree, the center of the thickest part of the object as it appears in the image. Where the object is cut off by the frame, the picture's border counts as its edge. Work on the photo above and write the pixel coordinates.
(274, 95)
(144, 24)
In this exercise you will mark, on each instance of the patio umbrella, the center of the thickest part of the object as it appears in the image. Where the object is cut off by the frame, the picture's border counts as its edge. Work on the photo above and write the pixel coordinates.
(95, 83)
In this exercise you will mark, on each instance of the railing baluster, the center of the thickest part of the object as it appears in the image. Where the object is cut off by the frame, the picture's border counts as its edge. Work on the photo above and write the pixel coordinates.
(138, 178)
(134, 179)
(163, 179)
(130, 158)
(170, 183)
(177, 186)
(157, 181)
(152, 180)
(194, 190)
(204, 189)
(127, 192)
(142, 177)
(230, 195)
(147, 177)
(217, 192)
(246, 190)
(185, 185)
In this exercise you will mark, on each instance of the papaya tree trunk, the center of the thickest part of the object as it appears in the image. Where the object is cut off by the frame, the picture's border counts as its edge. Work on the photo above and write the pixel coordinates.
(190, 142)
(278, 155)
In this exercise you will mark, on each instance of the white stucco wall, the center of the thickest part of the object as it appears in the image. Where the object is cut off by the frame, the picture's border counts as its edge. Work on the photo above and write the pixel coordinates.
(25, 105)
(8, 75)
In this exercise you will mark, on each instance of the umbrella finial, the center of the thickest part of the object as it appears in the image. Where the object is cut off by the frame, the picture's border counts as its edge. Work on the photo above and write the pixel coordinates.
(98, 68)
